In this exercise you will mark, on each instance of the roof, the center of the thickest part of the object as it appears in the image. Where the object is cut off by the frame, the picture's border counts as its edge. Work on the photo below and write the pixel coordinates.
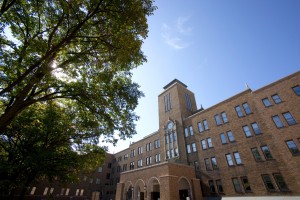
(173, 82)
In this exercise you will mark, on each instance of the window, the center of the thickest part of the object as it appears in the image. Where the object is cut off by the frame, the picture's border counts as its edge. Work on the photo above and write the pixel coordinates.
(97, 181)
(188, 102)
(219, 186)
(207, 164)
(280, 182)
(140, 150)
(267, 153)
(168, 103)
(118, 168)
(246, 184)
(109, 165)
(218, 120)
(175, 136)
(256, 128)
(292, 147)
(289, 118)
(32, 190)
(62, 191)
(81, 192)
(77, 192)
(148, 160)
(124, 167)
(171, 137)
(186, 132)
(236, 184)
(168, 154)
(239, 111)
(167, 138)
(191, 130)
(149, 146)
(203, 143)
(211, 186)
(176, 152)
(197, 167)
(214, 162)
(277, 121)
(247, 131)
(205, 124)
(247, 108)
(268, 182)
(266, 102)
(140, 163)
(256, 154)
(276, 99)
(107, 176)
(157, 158)
(237, 158)
(157, 143)
(172, 153)
(99, 169)
(224, 117)
(230, 136)
(132, 153)
(200, 128)
(297, 90)
(125, 156)
(209, 142)
(229, 160)
(223, 138)
(194, 147)
(67, 191)
(188, 148)
(131, 165)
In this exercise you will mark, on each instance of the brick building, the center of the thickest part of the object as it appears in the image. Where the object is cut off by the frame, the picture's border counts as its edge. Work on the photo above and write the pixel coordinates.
(247, 145)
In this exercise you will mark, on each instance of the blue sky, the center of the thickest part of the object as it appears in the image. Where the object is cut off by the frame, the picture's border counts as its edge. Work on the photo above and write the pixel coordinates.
(215, 47)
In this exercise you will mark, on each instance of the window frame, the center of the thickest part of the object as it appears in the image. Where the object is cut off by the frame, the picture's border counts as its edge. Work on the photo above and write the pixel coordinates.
(282, 184)
(237, 158)
(245, 184)
(224, 117)
(266, 153)
(294, 153)
(228, 155)
(247, 108)
(247, 132)
(276, 99)
(296, 90)
(218, 120)
(255, 129)
(239, 111)
(256, 158)
(267, 182)
(290, 119)
(237, 185)
(277, 121)
(267, 103)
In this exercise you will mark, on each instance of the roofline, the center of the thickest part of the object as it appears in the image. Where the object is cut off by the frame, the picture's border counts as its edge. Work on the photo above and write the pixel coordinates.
(174, 81)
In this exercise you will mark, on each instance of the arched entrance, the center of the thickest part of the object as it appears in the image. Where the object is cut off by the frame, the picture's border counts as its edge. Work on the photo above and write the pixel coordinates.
(139, 193)
(184, 189)
(129, 193)
(153, 190)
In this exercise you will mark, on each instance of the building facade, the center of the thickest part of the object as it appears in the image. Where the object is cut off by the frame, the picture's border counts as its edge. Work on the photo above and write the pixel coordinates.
(247, 145)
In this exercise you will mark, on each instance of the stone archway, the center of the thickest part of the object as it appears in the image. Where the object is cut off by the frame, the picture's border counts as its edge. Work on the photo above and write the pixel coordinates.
(128, 193)
(139, 187)
(184, 188)
(153, 189)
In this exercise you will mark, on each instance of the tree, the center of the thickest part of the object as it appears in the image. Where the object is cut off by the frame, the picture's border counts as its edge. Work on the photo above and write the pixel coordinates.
(43, 142)
(77, 50)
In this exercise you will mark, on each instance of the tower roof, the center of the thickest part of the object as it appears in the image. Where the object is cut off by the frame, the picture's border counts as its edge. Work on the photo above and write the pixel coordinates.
(173, 82)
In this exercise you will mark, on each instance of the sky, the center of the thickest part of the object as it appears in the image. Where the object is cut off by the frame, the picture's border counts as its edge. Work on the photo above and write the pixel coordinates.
(214, 47)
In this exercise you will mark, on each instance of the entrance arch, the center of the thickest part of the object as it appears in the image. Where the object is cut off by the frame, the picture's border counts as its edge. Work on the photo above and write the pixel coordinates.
(139, 187)
(184, 187)
(153, 189)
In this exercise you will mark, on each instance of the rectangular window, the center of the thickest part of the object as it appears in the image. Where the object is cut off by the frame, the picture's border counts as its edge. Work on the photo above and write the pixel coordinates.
(223, 138)
(148, 160)
(131, 165)
(140, 150)
(188, 102)
(292, 147)
(107, 176)
(175, 136)
(132, 153)
(168, 154)
(205, 124)
(191, 130)
(97, 181)
(219, 186)
(125, 156)
(156, 144)
(277, 121)
(280, 182)
(209, 143)
(171, 137)
(256, 154)
(297, 90)
(67, 191)
(168, 103)
(140, 163)
(218, 120)
(239, 111)
(176, 152)
(247, 131)
(203, 144)
(247, 108)
(200, 128)
(186, 132)
(194, 147)
(256, 128)
(266, 102)
(268, 182)
(124, 167)
(246, 184)
(33, 190)
(224, 117)
(149, 146)
(214, 162)
(236, 184)
(197, 167)
(211, 186)
(157, 158)
(229, 160)
(207, 164)
(167, 138)
(172, 153)
(289, 118)
(230, 136)
(188, 148)
(77, 192)
(237, 158)
(276, 98)
(267, 153)
(51, 190)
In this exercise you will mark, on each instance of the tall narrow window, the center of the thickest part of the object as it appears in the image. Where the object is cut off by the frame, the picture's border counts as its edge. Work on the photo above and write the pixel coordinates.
(167, 138)
(247, 131)
(175, 136)
(186, 132)
(191, 130)
(223, 138)
(188, 102)
(280, 182)
(247, 108)
(218, 120)
(267, 153)
(246, 184)
(200, 128)
(297, 90)
(140, 150)
(209, 143)
(214, 162)
(197, 167)
(203, 143)
(176, 152)
(256, 154)
(207, 164)
(224, 117)
(230, 136)
(205, 124)
(268, 182)
(194, 148)
(239, 111)
(140, 163)
(276, 98)
(171, 137)
(229, 160)
(188, 148)
(256, 128)
(292, 147)
(211, 186)
(168, 103)
(289, 118)
(219, 186)
(168, 154)
(237, 158)
(266, 102)
(277, 121)
(236, 184)
(33, 190)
